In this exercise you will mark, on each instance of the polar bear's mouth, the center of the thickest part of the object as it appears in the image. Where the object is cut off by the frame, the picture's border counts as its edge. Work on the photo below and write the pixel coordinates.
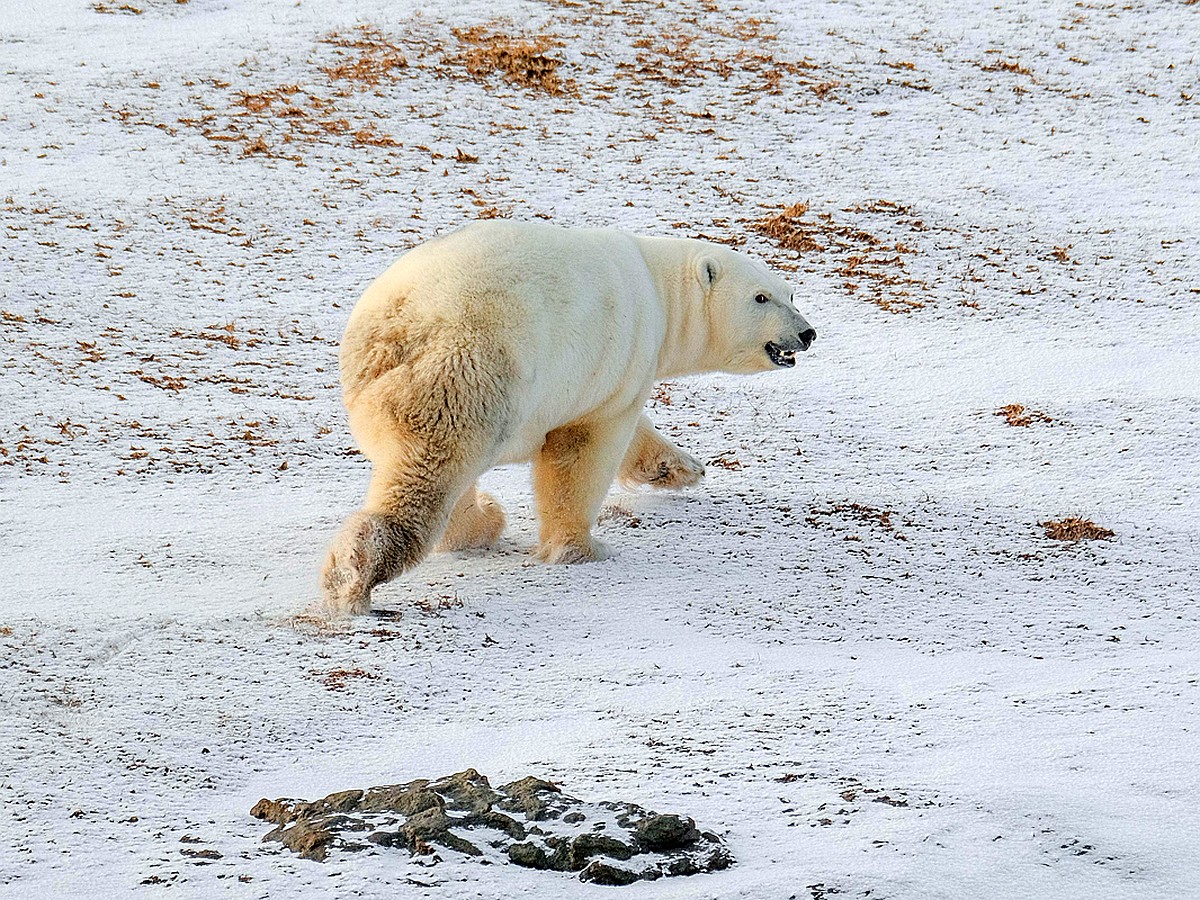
(781, 357)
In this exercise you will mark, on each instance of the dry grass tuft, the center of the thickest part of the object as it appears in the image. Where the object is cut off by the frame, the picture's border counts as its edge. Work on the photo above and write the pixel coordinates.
(524, 62)
(789, 229)
(1073, 528)
(836, 516)
(1019, 416)
(435, 606)
(258, 145)
(1002, 65)
(377, 58)
(280, 121)
(335, 679)
(870, 267)
(122, 9)
(691, 60)
(619, 515)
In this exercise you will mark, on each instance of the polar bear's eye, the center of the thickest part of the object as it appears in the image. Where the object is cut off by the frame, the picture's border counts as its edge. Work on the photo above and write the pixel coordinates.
(762, 298)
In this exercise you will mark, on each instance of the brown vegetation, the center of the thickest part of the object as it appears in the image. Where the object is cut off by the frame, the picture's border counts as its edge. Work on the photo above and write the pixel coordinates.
(870, 267)
(376, 58)
(1073, 528)
(876, 519)
(521, 61)
(335, 679)
(1019, 416)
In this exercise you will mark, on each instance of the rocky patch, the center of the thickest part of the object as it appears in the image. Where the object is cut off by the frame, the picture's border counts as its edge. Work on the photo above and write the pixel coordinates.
(528, 823)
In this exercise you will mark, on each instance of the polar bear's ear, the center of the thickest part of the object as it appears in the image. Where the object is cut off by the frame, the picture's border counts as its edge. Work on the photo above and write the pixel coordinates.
(708, 270)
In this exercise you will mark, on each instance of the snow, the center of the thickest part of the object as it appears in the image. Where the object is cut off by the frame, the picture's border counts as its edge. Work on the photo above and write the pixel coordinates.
(762, 654)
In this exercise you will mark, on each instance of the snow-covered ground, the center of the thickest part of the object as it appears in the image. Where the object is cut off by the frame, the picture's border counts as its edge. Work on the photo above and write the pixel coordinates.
(852, 652)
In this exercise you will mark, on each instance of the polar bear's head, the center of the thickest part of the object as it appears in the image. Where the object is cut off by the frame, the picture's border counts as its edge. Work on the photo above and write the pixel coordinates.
(753, 324)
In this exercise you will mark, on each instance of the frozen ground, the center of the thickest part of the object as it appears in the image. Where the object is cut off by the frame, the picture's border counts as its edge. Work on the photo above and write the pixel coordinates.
(852, 651)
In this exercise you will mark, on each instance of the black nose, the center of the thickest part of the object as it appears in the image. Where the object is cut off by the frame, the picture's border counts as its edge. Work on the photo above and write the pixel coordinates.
(807, 336)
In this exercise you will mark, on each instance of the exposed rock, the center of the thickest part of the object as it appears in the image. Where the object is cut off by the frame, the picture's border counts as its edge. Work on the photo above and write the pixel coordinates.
(277, 811)
(467, 791)
(602, 873)
(666, 832)
(529, 823)
(531, 856)
(533, 797)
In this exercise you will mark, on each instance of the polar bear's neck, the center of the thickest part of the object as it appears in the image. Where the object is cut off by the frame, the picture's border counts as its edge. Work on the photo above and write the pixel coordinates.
(687, 345)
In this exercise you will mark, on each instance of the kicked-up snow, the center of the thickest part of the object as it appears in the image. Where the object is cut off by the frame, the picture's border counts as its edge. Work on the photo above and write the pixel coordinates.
(854, 651)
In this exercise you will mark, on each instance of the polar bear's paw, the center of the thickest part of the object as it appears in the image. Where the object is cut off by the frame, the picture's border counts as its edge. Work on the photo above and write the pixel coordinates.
(666, 468)
(348, 575)
(474, 527)
(556, 553)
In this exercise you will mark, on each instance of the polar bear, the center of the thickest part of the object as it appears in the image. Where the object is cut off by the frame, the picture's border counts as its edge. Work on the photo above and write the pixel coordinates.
(517, 342)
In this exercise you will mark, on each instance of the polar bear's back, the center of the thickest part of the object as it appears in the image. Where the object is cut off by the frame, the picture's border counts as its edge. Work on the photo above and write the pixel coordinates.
(576, 311)
(504, 256)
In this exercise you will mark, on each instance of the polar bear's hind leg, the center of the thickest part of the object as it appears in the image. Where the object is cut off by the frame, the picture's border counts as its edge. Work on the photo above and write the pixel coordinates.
(428, 441)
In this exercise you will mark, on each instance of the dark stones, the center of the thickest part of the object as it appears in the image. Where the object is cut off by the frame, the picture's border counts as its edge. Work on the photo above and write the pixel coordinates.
(407, 799)
(529, 855)
(603, 873)
(578, 851)
(610, 843)
(666, 832)
(531, 796)
(466, 792)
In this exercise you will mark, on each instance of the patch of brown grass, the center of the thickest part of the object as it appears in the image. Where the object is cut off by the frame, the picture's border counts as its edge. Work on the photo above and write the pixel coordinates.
(435, 606)
(1003, 65)
(335, 679)
(690, 60)
(122, 9)
(257, 145)
(1073, 528)
(522, 61)
(876, 519)
(790, 230)
(870, 267)
(1019, 416)
(377, 58)
(262, 100)
(277, 121)
(726, 460)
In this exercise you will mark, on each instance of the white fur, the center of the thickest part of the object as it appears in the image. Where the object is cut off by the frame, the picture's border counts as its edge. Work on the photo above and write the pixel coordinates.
(510, 342)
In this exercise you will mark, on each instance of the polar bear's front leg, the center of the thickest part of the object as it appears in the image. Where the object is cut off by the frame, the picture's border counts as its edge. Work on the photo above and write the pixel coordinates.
(654, 460)
(571, 474)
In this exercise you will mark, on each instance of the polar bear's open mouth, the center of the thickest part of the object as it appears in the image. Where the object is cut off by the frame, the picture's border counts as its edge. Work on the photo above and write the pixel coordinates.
(779, 356)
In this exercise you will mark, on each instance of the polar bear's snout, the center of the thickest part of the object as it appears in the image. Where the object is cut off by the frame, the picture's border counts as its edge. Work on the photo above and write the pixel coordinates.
(782, 352)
